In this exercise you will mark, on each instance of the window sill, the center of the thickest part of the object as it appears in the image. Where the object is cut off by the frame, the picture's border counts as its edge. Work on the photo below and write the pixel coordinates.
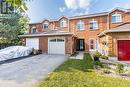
(116, 22)
(80, 30)
(93, 29)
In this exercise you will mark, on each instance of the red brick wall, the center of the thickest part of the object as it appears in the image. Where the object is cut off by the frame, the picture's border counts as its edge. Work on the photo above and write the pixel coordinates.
(86, 33)
(43, 44)
(69, 44)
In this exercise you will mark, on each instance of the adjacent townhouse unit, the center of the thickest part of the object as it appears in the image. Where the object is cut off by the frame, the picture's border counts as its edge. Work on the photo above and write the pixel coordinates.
(106, 32)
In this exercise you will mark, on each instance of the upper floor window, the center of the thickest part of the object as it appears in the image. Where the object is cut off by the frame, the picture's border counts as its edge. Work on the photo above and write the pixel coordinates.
(63, 23)
(80, 25)
(46, 25)
(34, 30)
(116, 18)
(93, 25)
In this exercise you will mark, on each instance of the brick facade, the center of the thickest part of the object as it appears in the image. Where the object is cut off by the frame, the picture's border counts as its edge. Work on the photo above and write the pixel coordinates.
(104, 23)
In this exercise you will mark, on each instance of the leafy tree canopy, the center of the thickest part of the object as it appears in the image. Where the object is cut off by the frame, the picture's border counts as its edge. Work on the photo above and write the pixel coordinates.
(10, 28)
(19, 4)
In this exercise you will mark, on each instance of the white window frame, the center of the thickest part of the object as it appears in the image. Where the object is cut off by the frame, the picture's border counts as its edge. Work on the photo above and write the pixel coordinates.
(118, 18)
(81, 24)
(95, 44)
(63, 23)
(45, 23)
(32, 29)
(94, 27)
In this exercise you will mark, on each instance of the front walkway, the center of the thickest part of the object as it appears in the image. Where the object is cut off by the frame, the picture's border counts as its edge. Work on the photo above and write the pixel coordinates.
(79, 55)
(29, 71)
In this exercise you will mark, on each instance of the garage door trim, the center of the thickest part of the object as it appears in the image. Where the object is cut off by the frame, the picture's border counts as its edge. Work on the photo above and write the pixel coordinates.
(56, 45)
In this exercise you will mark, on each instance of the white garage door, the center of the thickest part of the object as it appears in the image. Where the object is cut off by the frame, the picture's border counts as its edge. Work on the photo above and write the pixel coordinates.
(56, 46)
(32, 42)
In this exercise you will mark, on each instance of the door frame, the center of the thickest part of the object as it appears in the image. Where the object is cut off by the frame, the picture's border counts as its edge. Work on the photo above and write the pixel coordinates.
(78, 44)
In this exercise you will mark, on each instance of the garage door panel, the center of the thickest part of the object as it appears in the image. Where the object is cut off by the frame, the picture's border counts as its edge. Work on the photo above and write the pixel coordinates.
(56, 46)
(124, 50)
(32, 42)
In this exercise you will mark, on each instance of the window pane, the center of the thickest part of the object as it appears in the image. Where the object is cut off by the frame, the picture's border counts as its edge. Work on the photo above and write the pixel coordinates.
(34, 30)
(91, 41)
(91, 47)
(53, 40)
(92, 44)
(116, 18)
(63, 23)
(60, 40)
(93, 25)
(45, 26)
(80, 25)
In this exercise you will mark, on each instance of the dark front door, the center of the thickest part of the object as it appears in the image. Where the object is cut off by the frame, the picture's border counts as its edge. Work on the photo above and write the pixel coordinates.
(124, 50)
(80, 45)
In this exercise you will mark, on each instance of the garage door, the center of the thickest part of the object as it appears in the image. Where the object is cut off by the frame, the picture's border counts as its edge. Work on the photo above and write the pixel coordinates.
(124, 50)
(56, 46)
(32, 42)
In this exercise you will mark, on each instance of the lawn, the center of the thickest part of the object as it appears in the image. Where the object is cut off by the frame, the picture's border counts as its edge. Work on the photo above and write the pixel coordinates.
(80, 73)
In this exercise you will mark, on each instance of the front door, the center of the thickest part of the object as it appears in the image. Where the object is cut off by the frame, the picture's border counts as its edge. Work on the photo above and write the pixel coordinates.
(80, 45)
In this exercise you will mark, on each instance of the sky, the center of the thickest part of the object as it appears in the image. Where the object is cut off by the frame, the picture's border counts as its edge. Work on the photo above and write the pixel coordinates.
(38, 10)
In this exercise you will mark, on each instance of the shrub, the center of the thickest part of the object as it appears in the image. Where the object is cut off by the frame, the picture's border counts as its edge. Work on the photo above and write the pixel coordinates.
(98, 63)
(104, 57)
(105, 65)
(105, 70)
(96, 56)
(128, 72)
(120, 68)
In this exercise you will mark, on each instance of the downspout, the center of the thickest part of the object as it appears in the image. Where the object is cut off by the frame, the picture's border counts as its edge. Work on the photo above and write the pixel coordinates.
(108, 27)
(108, 22)
(68, 25)
(53, 25)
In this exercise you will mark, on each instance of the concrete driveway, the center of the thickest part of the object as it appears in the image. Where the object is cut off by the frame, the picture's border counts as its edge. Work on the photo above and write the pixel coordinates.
(30, 71)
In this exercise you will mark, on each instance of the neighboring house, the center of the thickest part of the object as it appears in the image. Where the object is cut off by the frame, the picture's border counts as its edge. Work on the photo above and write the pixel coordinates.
(107, 32)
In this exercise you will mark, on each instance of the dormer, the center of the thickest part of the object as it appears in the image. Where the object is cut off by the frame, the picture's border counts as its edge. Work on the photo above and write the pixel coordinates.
(45, 24)
(63, 22)
(116, 18)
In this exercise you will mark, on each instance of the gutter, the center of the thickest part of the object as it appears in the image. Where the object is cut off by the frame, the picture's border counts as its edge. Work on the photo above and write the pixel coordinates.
(38, 35)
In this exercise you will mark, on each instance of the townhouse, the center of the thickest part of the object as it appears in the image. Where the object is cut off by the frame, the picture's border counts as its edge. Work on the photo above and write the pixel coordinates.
(106, 32)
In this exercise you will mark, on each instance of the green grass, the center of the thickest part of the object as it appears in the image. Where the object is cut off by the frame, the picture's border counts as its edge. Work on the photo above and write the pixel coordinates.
(80, 73)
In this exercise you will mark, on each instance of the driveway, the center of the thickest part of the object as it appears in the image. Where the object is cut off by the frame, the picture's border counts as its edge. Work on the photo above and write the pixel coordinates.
(28, 72)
